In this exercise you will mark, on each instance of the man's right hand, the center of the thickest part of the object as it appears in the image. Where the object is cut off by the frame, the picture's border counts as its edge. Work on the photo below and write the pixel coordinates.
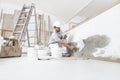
(72, 48)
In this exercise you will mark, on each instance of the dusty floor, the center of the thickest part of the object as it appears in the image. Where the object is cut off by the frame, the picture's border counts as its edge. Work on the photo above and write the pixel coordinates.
(26, 68)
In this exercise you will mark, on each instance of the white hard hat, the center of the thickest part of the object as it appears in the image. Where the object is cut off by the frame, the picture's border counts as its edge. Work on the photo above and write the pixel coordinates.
(57, 24)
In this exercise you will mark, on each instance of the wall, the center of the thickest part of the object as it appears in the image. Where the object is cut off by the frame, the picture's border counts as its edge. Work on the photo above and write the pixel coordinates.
(101, 34)
(7, 24)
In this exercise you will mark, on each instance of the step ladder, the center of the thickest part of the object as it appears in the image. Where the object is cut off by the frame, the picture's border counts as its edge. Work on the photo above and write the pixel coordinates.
(21, 27)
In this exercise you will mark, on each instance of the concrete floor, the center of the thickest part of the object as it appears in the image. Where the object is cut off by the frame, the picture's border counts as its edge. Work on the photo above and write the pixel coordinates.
(26, 68)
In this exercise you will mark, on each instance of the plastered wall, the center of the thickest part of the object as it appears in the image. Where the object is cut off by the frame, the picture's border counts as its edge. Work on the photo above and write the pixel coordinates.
(101, 35)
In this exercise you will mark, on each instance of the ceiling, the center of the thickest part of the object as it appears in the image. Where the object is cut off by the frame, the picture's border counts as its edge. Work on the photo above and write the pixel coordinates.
(65, 10)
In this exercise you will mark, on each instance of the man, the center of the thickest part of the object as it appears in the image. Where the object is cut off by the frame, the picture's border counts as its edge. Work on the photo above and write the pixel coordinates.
(56, 42)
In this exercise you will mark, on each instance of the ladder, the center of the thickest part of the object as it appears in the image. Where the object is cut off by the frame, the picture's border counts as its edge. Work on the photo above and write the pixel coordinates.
(21, 27)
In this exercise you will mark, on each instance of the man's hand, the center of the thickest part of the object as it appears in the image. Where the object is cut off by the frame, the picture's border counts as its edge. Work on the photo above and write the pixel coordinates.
(72, 48)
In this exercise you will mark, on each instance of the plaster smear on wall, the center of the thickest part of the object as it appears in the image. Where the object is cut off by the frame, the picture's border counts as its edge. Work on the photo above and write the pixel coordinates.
(100, 35)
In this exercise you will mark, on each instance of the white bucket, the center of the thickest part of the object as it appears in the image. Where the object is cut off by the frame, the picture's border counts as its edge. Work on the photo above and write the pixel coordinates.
(56, 53)
(42, 53)
(31, 52)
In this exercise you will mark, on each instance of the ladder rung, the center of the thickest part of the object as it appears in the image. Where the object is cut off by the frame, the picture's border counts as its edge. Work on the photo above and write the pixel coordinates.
(20, 24)
(32, 43)
(31, 29)
(17, 32)
(32, 37)
(22, 18)
(25, 12)
(32, 46)
(31, 22)
(32, 15)
(24, 40)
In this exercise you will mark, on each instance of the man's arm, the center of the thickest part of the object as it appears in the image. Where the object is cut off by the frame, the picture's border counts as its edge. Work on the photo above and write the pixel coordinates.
(66, 45)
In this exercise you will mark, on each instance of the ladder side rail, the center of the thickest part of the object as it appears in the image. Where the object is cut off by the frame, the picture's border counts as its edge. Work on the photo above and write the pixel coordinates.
(18, 19)
(36, 24)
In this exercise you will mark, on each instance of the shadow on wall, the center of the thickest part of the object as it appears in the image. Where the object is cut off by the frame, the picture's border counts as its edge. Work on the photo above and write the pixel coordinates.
(91, 45)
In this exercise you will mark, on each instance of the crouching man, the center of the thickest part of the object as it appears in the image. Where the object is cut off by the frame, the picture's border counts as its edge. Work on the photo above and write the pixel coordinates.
(57, 42)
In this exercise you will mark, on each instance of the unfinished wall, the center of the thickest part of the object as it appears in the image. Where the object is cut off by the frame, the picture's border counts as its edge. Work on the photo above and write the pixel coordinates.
(7, 25)
(101, 35)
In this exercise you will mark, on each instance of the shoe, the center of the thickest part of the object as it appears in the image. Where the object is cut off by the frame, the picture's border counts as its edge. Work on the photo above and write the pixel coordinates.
(66, 55)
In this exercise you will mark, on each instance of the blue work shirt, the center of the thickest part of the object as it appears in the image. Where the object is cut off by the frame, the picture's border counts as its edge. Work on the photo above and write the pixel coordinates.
(55, 37)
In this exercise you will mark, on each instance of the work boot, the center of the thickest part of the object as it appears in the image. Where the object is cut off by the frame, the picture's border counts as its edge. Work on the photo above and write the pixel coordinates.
(66, 55)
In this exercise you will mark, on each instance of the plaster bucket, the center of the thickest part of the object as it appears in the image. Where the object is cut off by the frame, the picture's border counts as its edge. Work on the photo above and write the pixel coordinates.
(31, 52)
(56, 53)
(42, 53)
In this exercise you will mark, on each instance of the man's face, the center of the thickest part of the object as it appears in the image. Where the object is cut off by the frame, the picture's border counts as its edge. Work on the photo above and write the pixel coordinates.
(57, 29)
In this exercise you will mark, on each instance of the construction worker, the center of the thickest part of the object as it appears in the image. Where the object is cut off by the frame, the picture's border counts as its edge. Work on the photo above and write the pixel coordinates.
(56, 42)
